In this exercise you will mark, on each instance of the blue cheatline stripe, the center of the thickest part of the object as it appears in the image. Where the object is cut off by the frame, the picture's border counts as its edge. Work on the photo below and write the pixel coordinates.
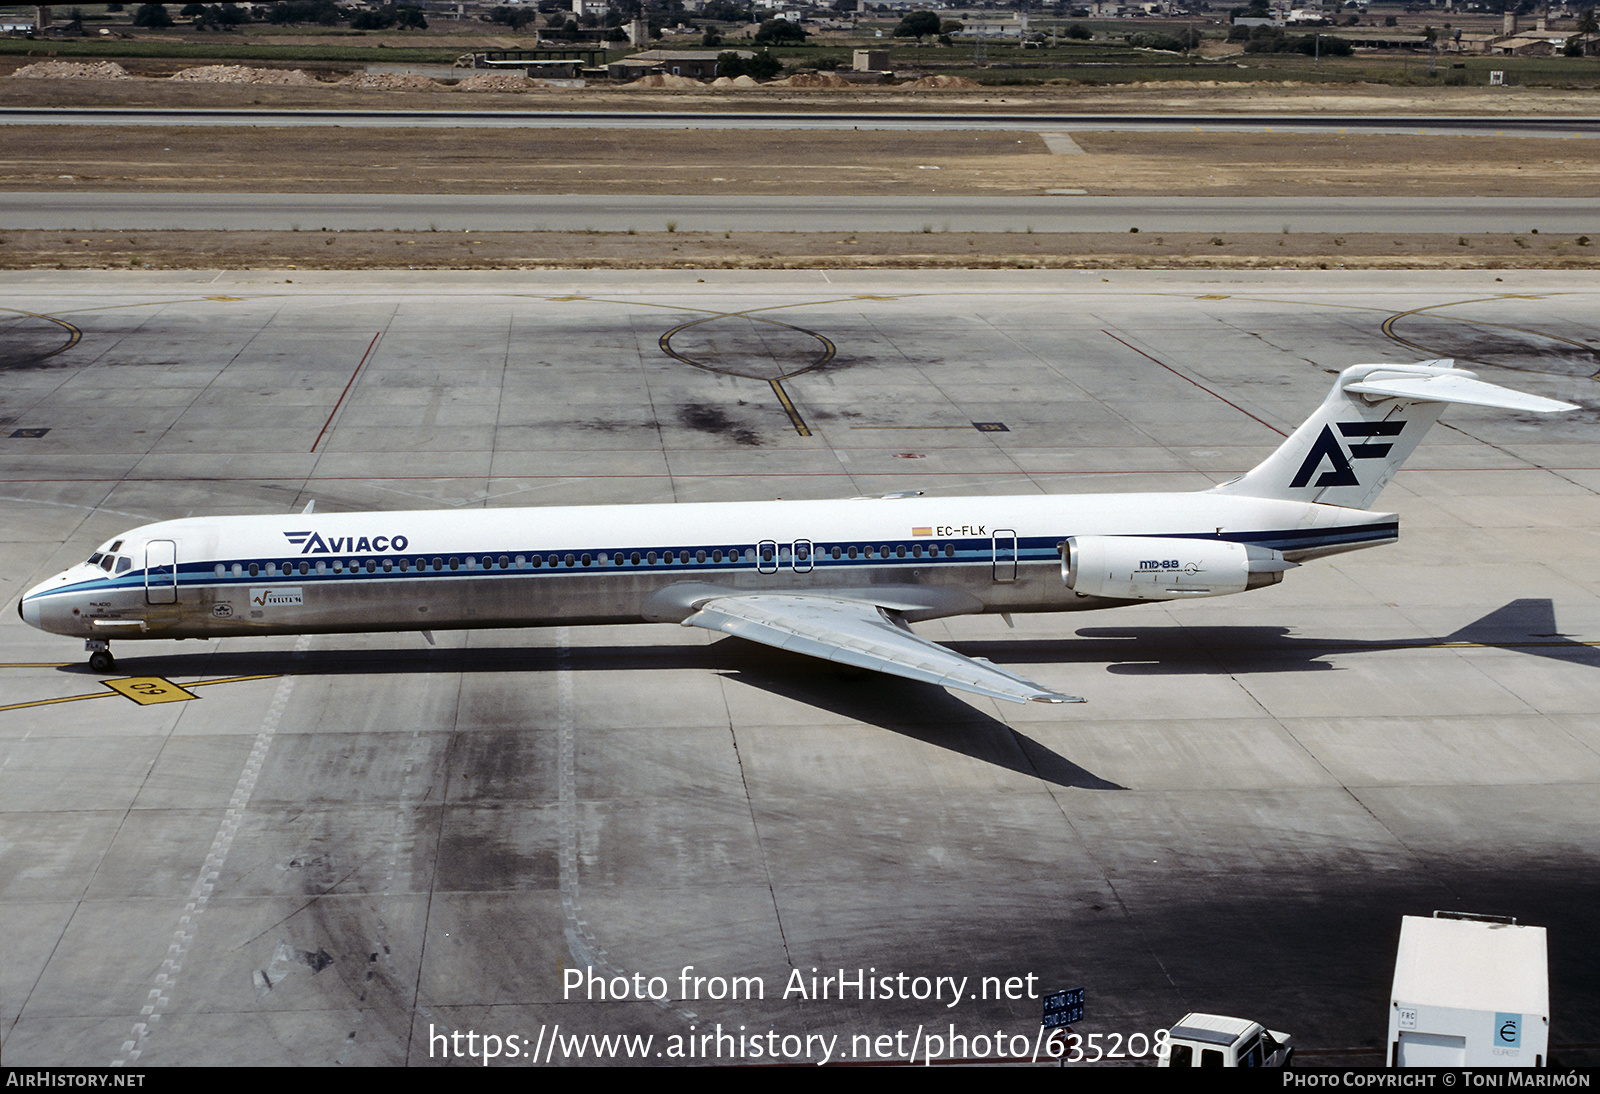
(1033, 549)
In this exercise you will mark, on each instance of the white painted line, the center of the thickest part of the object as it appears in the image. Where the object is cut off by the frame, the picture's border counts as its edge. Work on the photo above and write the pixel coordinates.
(166, 980)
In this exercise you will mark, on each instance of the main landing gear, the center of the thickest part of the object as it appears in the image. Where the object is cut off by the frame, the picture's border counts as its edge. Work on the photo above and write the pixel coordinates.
(100, 659)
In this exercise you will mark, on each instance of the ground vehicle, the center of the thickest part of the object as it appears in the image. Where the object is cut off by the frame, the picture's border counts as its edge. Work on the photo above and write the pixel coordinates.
(1469, 991)
(1212, 1040)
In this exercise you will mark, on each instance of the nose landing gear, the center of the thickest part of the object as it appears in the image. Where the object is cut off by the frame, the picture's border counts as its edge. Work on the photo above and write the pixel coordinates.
(100, 659)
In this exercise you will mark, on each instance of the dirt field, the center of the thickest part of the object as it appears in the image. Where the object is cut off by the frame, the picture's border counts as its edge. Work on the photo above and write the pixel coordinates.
(995, 162)
(581, 161)
(289, 251)
(1167, 97)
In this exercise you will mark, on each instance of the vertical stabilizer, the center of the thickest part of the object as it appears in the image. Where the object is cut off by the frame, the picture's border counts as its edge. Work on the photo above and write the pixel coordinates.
(1346, 453)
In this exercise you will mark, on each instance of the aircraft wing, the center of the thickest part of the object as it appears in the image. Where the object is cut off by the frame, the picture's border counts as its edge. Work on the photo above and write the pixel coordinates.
(855, 632)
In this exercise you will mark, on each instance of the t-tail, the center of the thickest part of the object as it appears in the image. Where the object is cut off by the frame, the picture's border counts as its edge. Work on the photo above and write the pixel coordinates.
(1346, 453)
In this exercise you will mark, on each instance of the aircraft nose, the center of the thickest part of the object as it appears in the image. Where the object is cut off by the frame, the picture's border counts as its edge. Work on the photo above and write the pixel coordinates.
(28, 610)
(29, 606)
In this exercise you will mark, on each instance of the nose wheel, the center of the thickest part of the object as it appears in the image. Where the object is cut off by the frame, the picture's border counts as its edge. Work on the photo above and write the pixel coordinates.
(100, 659)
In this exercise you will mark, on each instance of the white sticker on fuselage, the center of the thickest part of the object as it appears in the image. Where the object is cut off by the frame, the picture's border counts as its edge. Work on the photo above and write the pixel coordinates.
(276, 598)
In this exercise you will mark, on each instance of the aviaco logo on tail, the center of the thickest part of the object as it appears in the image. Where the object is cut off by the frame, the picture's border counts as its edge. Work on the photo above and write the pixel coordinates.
(312, 543)
(1328, 448)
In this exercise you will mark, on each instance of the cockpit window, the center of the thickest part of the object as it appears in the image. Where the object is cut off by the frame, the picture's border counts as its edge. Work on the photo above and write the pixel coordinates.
(94, 559)
(107, 562)
(115, 547)
(123, 565)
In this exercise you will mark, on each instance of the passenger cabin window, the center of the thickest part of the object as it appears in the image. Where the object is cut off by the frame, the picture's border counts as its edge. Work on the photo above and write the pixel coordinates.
(1181, 1056)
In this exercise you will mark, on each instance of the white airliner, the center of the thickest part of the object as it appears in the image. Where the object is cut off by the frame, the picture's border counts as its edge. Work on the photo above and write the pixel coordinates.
(840, 580)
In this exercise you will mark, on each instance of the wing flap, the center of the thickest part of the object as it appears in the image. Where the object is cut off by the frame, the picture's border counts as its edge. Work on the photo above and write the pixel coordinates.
(861, 634)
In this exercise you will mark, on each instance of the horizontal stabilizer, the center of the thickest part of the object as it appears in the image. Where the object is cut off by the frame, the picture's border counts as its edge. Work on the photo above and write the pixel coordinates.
(1458, 388)
(854, 632)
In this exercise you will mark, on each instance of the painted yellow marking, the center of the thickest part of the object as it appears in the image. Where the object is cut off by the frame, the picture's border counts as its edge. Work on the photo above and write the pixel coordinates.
(63, 699)
(235, 679)
(113, 684)
(146, 690)
(74, 335)
(229, 299)
(1213, 296)
(828, 352)
(795, 420)
(1388, 328)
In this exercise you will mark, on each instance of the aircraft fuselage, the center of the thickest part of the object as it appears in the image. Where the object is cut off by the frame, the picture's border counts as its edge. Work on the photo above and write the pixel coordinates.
(426, 570)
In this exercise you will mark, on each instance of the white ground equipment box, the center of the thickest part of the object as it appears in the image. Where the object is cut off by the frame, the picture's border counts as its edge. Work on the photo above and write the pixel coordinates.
(1469, 991)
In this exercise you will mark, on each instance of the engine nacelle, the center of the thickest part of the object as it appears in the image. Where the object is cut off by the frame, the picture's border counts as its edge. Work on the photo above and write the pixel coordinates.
(1162, 568)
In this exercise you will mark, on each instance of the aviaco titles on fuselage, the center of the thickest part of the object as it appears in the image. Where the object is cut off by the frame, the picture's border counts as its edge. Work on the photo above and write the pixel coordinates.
(840, 580)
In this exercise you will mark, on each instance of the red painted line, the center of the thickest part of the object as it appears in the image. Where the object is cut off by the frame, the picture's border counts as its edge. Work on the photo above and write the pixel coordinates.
(346, 390)
(1197, 384)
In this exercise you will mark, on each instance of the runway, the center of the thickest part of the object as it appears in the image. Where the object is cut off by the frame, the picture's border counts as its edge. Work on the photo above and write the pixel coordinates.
(1067, 212)
(349, 850)
(715, 117)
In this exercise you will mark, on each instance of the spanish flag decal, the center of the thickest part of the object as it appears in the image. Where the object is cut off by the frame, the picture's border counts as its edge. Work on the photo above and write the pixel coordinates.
(922, 531)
